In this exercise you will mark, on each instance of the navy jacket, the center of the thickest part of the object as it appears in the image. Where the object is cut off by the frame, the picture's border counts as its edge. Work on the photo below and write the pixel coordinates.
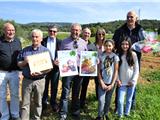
(8, 54)
(136, 34)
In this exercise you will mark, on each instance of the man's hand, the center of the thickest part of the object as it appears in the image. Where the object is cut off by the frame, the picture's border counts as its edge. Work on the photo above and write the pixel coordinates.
(36, 74)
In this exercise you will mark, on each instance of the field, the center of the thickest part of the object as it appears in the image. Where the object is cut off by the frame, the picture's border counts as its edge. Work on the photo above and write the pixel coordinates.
(147, 99)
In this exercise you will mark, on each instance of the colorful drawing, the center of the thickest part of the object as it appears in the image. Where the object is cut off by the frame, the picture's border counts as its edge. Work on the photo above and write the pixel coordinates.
(88, 63)
(67, 63)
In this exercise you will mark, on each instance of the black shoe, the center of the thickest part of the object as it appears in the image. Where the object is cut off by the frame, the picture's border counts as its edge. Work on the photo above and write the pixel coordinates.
(76, 113)
(44, 106)
(56, 108)
(107, 118)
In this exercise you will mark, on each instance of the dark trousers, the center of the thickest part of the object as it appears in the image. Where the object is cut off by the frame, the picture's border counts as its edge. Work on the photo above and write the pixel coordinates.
(139, 55)
(53, 78)
(67, 83)
(84, 89)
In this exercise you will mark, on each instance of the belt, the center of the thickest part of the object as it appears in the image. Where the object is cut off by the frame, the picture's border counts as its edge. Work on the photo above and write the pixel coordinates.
(37, 78)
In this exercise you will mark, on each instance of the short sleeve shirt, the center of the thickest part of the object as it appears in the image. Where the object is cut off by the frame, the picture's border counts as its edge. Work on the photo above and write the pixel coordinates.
(26, 52)
(107, 66)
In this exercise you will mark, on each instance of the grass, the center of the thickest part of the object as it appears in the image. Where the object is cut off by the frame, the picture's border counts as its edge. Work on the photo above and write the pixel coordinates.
(147, 106)
(152, 75)
(147, 99)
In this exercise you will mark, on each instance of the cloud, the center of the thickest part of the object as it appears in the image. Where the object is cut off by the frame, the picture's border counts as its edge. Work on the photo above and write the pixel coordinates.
(82, 12)
(71, 1)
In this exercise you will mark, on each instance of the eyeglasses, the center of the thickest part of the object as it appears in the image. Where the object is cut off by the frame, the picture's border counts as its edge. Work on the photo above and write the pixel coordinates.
(130, 17)
(75, 45)
(101, 34)
(53, 31)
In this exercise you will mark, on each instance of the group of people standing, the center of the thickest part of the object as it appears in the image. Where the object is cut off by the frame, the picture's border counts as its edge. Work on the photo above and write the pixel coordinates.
(118, 66)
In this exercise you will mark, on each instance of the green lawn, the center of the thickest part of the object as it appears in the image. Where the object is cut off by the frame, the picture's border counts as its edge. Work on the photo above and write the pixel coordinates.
(147, 106)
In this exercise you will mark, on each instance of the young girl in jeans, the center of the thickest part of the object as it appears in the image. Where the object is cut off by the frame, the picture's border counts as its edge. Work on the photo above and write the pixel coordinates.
(128, 75)
(108, 72)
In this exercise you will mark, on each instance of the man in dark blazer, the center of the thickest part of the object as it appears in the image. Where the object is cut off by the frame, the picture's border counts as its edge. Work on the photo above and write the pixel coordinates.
(53, 44)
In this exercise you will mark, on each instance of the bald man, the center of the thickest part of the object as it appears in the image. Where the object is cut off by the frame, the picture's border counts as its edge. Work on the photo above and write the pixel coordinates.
(136, 33)
(9, 75)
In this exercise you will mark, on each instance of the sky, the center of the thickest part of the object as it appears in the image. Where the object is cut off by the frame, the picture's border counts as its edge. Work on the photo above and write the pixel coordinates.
(80, 11)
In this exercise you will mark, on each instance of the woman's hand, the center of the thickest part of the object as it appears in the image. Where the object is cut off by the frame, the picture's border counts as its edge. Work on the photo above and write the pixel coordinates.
(119, 83)
(109, 87)
(130, 83)
(103, 86)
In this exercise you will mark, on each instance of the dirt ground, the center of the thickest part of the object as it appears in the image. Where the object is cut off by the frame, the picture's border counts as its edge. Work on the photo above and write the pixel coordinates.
(149, 62)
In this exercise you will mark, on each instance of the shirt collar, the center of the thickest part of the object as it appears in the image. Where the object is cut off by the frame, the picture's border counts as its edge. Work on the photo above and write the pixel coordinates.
(51, 39)
(35, 48)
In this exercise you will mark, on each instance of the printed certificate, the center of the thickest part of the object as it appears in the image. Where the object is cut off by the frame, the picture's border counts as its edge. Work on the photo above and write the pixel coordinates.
(40, 62)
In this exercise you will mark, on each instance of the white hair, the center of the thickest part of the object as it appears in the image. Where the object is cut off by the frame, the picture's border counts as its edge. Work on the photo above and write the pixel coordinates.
(37, 31)
(76, 24)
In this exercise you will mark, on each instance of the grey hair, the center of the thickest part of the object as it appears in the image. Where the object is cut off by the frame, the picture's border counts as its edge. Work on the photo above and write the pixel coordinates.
(6, 25)
(52, 26)
(37, 31)
(76, 24)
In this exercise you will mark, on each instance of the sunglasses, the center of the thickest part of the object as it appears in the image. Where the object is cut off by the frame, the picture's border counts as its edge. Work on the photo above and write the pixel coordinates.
(101, 34)
(130, 17)
(75, 45)
(53, 31)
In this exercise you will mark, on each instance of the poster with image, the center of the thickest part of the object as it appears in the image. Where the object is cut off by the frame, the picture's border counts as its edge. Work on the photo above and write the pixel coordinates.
(88, 63)
(67, 62)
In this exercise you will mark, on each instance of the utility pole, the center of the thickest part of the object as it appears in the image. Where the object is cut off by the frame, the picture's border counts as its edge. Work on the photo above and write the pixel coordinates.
(139, 15)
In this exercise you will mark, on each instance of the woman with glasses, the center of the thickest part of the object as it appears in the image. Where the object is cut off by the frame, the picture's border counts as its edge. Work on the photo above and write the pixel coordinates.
(99, 40)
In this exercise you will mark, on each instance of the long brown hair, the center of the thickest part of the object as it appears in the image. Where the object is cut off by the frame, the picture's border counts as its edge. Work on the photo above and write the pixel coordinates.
(100, 30)
(129, 56)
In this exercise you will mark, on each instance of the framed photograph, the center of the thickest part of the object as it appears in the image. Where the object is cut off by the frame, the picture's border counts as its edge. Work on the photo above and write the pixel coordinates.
(40, 62)
(88, 63)
(67, 62)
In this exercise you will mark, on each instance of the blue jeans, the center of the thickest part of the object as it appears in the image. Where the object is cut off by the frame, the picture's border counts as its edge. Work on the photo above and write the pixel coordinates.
(104, 100)
(53, 78)
(121, 94)
(67, 83)
(11, 79)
